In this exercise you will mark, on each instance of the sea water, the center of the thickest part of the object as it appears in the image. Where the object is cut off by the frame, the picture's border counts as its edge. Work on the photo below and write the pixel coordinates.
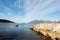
(9, 31)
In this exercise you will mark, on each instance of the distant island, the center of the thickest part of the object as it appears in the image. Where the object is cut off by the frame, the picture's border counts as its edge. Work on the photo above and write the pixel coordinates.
(5, 21)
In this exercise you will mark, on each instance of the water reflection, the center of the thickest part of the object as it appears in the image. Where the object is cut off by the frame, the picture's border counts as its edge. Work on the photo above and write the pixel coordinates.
(7, 31)
(22, 32)
(42, 36)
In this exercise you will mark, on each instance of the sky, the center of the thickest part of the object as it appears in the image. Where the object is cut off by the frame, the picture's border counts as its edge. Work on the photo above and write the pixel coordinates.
(27, 10)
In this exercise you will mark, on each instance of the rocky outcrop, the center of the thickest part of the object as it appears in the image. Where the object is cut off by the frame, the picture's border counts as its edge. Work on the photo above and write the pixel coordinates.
(48, 29)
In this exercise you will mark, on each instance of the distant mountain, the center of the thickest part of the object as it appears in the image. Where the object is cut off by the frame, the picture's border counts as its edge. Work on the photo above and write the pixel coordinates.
(5, 21)
(42, 21)
(58, 21)
(35, 21)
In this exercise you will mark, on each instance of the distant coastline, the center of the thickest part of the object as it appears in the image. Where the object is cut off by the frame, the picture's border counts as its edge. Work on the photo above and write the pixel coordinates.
(5, 21)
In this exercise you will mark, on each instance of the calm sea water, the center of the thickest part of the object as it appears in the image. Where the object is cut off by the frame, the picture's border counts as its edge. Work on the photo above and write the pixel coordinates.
(9, 31)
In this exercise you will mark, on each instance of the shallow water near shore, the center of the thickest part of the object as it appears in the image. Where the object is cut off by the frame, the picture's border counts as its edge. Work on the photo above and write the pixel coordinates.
(22, 32)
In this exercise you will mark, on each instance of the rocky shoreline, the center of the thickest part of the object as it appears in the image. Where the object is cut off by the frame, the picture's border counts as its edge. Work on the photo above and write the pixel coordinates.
(42, 36)
(51, 30)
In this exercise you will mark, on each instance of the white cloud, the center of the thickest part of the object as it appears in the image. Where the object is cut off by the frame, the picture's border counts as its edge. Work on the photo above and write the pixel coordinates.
(8, 11)
(2, 16)
(41, 9)
(18, 4)
(34, 9)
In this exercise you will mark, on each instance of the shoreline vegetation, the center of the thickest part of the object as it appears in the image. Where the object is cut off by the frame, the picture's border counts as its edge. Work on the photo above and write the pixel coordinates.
(2, 21)
(5, 21)
(49, 30)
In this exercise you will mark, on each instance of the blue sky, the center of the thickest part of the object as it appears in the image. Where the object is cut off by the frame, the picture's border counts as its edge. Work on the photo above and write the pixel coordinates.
(27, 10)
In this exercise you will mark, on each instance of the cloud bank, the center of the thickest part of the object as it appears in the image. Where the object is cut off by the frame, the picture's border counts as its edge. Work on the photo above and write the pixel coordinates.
(27, 10)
